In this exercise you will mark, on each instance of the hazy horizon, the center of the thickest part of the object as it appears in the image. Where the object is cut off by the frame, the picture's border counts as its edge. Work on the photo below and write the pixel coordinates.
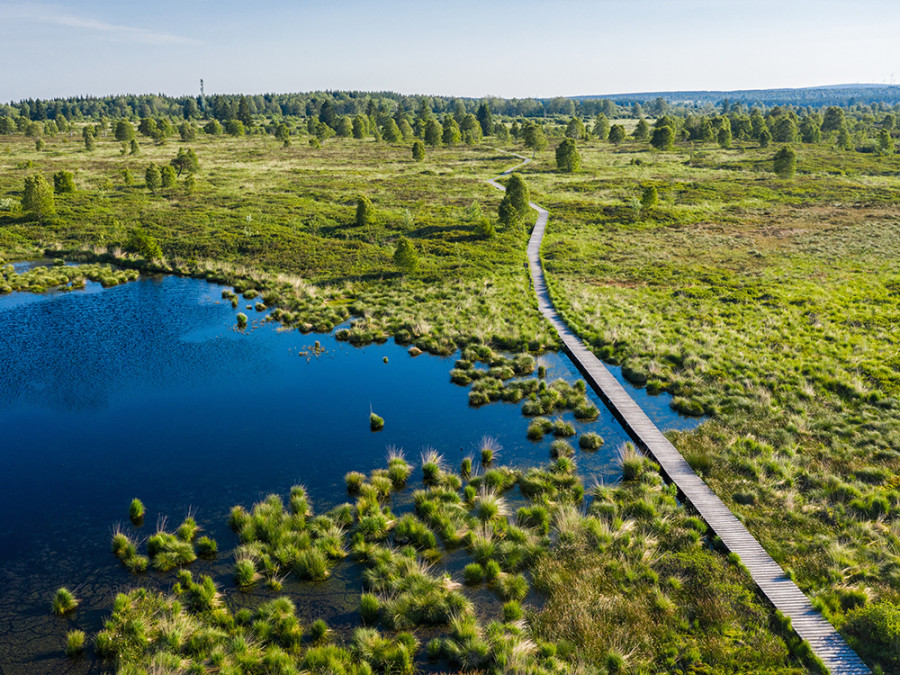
(512, 50)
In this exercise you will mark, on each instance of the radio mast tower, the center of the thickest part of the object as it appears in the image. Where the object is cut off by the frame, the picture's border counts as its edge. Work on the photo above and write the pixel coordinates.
(202, 98)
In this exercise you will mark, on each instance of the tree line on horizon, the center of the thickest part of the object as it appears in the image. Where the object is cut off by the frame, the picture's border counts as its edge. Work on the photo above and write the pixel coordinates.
(223, 107)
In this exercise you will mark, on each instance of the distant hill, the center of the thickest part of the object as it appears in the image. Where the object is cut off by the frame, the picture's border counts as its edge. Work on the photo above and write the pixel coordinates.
(835, 94)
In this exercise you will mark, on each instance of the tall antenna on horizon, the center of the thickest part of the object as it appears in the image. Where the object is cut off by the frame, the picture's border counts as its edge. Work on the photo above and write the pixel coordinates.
(202, 98)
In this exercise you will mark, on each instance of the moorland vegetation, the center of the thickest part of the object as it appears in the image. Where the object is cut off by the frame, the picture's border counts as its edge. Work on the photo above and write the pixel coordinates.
(744, 260)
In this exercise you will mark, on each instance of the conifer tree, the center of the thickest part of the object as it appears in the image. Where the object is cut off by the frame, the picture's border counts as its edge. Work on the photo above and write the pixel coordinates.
(37, 198)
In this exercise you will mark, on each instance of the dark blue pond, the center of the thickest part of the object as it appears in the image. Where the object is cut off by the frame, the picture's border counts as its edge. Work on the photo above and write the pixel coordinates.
(147, 390)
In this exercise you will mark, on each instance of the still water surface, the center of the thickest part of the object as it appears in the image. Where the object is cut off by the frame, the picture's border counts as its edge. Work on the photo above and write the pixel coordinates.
(147, 390)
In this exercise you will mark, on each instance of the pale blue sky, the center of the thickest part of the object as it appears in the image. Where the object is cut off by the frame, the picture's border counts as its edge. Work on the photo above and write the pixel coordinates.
(506, 48)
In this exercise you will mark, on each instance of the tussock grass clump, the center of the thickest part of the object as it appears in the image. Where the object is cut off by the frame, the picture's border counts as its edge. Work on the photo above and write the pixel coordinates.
(137, 510)
(126, 551)
(473, 574)
(465, 468)
(631, 461)
(489, 506)
(561, 448)
(187, 530)
(556, 482)
(312, 564)
(354, 481)
(590, 441)
(167, 551)
(319, 630)
(75, 642)
(376, 423)
(411, 530)
(399, 469)
(241, 319)
(64, 601)
(207, 547)
(489, 447)
(501, 479)
(282, 540)
(369, 608)
(245, 574)
(538, 428)
(382, 654)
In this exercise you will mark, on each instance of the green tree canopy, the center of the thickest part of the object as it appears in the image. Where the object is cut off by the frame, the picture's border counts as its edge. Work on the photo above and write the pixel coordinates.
(833, 119)
(142, 243)
(186, 161)
(663, 138)
(244, 115)
(405, 256)
(187, 131)
(344, 128)
(37, 198)
(87, 134)
(616, 134)
(844, 140)
(485, 119)
(167, 176)
(147, 126)
(507, 214)
(765, 137)
(418, 150)
(810, 132)
(575, 129)
(885, 142)
(360, 127)
(152, 177)
(724, 136)
(601, 127)
(433, 132)
(63, 181)
(213, 128)
(784, 130)
(641, 131)
(451, 134)
(649, 198)
(471, 129)
(785, 162)
(234, 128)
(567, 158)
(406, 129)
(124, 131)
(283, 134)
(517, 191)
(390, 131)
(534, 137)
(365, 211)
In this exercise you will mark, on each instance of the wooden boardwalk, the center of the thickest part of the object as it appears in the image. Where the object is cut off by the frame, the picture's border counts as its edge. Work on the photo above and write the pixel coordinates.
(784, 594)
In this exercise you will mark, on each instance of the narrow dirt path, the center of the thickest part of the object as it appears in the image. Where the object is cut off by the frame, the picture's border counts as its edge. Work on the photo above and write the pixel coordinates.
(783, 593)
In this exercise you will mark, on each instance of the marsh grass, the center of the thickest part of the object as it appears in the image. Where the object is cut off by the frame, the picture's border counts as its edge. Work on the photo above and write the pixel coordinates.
(136, 511)
(75, 643)
(376, 423)
(590, 441)
(64, 601)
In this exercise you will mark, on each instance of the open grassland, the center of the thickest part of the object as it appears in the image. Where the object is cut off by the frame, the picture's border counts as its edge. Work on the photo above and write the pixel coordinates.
(773, 306)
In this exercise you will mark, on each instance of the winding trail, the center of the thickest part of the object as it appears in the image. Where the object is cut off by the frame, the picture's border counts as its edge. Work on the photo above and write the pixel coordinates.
(825, 641)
